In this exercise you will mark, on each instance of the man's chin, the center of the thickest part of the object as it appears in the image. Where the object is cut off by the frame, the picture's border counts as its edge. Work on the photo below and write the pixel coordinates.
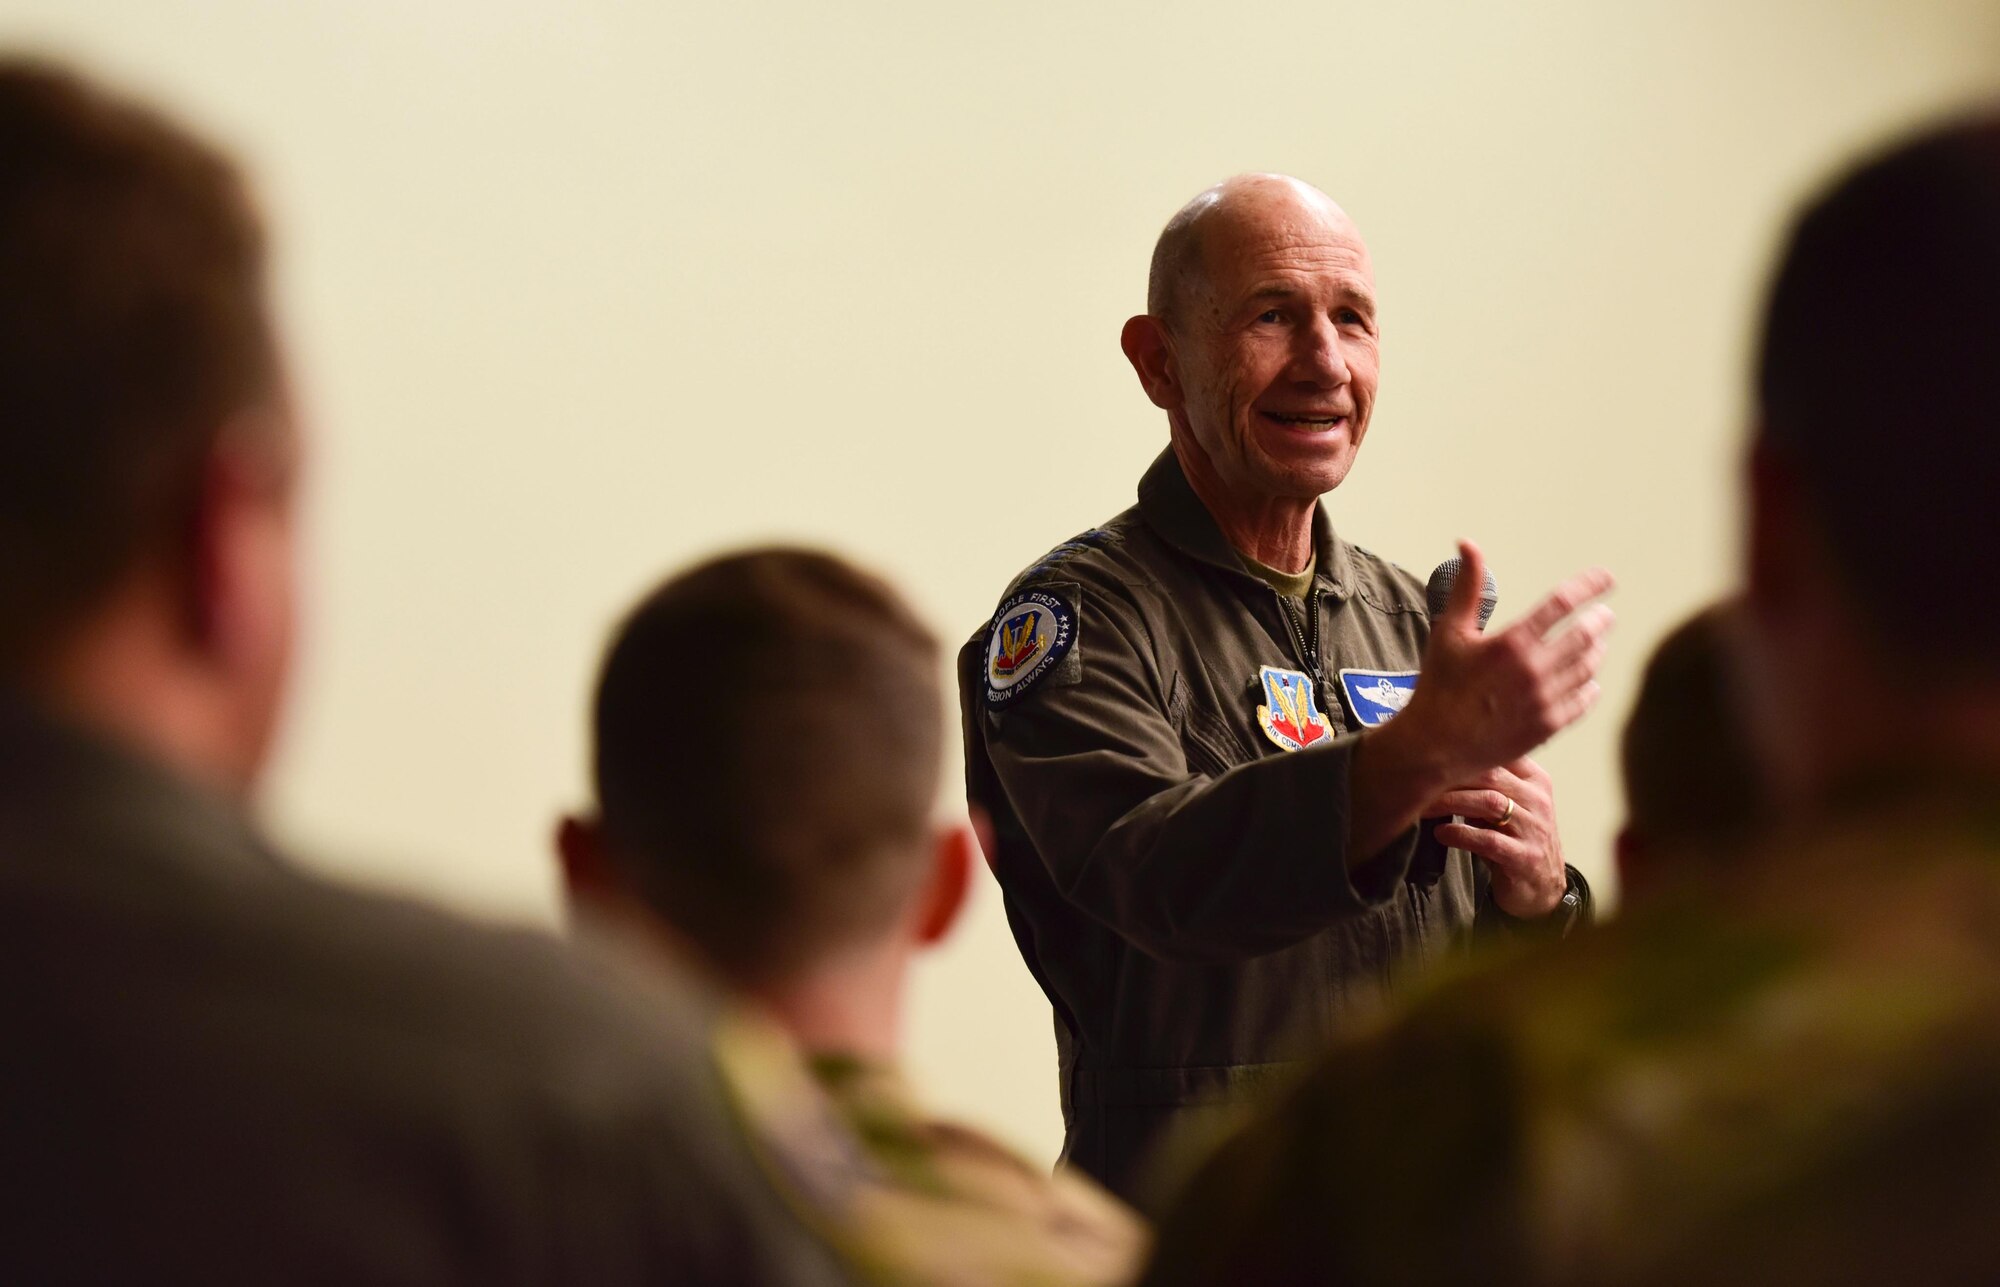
(1305, 477)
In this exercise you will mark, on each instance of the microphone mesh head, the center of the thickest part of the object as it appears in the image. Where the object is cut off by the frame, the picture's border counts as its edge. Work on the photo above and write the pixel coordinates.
(1445, 576)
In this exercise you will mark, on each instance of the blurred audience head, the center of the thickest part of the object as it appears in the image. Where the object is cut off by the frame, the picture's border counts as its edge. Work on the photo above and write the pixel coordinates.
(768, 733)
(1694, 793)
(1874, 634)
(146, 454)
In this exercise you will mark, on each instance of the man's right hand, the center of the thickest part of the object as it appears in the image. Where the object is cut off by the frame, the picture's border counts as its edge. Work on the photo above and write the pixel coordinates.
(1480, 701)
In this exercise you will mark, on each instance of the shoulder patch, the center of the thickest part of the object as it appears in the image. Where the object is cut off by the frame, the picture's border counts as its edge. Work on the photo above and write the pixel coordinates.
(1031, 637)
(1378, 695)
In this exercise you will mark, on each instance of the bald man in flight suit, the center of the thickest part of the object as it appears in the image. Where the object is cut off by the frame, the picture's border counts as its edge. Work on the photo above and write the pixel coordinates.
(1199, 730)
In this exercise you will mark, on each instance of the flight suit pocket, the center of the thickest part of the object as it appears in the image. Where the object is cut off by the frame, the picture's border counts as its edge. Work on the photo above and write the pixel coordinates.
(1209, 746)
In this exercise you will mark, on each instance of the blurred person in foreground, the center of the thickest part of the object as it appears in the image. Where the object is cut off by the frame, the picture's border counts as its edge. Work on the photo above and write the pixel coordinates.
(1695, 795)
(1797, 1078)
(768, 739)
(219, 1069)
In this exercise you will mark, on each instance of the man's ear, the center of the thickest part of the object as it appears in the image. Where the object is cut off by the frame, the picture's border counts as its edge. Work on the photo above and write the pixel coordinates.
(587, 877)
(1799, 646)
(234, 579)
(233, 502)
(1788, 570)
(944, 895)
(1792, 574)
(1770, 537)
(1150, 351)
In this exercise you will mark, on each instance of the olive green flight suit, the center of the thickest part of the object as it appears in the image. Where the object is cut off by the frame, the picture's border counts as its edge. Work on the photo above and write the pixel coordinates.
(1177, 875)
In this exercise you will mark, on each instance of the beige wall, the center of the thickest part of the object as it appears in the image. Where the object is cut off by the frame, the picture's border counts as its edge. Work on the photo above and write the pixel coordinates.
(580, 291)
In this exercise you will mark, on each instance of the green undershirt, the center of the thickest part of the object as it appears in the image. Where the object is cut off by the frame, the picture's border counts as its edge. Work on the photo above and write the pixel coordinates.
(1293, 585)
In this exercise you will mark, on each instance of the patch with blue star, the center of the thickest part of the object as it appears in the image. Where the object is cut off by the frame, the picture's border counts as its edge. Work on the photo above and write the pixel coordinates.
(1377, 696)
(1290, 716)
(1033, 634)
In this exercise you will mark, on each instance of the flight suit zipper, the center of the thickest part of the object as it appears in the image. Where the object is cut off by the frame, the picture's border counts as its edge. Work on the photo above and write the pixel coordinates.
(1312, 649)
(1308, 652)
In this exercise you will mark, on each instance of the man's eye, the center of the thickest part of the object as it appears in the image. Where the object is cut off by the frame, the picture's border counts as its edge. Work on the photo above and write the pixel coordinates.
(1348, 317)
(1271, 315)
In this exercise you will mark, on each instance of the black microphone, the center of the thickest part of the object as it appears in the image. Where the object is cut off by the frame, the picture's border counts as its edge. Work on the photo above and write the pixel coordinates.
(1428, 863)
(1445, 575)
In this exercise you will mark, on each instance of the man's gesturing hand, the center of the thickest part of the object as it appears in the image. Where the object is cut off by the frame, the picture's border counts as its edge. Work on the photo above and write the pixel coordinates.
(1487, 700)
(1482, 701)
(1524, 852)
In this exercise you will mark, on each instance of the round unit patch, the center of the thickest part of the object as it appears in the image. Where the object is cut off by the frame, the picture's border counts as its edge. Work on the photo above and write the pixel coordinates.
(1031, 633)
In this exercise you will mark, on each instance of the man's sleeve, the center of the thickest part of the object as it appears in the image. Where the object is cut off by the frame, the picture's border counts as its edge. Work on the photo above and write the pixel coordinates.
(1576, 910)
(1185, 863)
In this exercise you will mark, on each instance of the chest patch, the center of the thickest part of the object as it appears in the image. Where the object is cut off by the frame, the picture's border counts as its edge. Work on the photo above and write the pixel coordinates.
(1377, 695)
(1032, 632)
(1290, 716)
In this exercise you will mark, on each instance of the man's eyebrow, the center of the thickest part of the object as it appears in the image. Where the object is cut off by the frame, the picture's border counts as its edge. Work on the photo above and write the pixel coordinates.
(1358, 295)
(1353, 292)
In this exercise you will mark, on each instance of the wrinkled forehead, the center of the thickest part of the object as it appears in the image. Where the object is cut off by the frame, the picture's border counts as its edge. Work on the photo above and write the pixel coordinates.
(1293, 235)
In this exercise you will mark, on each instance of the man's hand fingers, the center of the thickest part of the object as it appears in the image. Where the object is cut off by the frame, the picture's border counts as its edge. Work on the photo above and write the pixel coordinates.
(1572, 660)
(1501, 779)
(1490, 805)
(1587, 631)
(1575, 669)
(1507, 779)
(1577, 704)
(1501, 848)
(1565, 599)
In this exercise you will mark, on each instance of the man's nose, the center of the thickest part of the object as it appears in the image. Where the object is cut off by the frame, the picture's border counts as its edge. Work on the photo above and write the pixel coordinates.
(1319, 359)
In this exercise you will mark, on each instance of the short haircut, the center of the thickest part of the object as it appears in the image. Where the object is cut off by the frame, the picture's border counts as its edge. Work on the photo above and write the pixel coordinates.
(1692, 782)
(769, 728)
(1879, 383)
(132, 327)
(1177, 258)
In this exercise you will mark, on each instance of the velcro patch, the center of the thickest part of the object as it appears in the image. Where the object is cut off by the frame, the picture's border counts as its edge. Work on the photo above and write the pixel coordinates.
(1378, 695)
(1032, 635)
(1289, 716)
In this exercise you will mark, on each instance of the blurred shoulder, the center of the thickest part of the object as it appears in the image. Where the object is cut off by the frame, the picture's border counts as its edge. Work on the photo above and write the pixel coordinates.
(945, 1201)
(427, 987)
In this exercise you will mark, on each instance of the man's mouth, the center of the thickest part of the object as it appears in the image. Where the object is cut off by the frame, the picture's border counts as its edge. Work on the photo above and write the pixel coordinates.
(1309, 421)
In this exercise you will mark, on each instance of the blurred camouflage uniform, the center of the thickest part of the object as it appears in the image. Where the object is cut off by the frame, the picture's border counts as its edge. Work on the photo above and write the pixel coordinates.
(915, 1199)
(1794, 1080)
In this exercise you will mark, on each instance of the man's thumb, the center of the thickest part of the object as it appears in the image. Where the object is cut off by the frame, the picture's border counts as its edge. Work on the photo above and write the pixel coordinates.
(1461, 611)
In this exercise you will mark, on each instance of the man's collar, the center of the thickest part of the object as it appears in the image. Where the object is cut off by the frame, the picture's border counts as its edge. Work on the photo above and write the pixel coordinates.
(1170, 507)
